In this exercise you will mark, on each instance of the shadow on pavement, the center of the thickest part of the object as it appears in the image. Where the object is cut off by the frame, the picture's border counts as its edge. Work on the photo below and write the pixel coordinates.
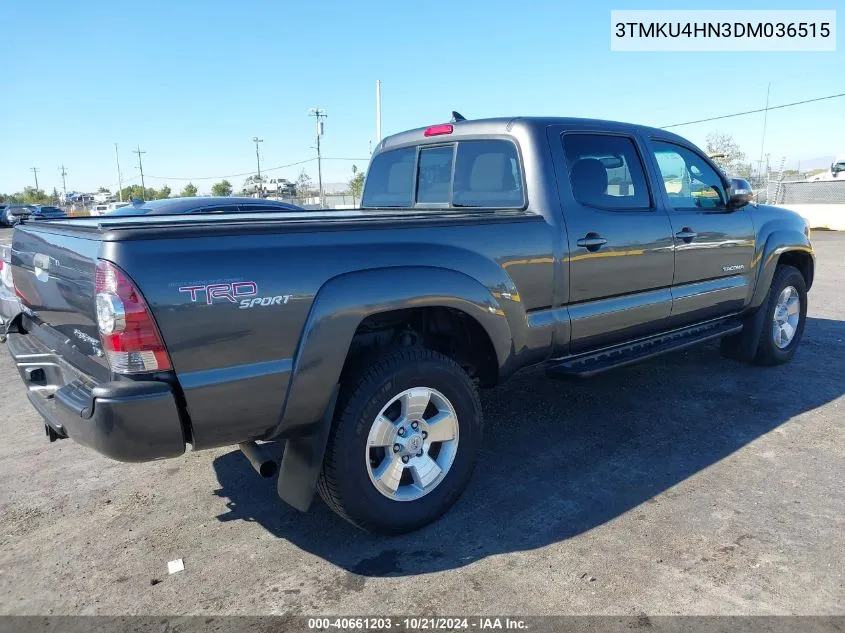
(560, 458)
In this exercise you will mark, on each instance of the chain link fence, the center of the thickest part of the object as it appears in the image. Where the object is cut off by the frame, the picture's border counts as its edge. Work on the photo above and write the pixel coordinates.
(823, 192)
(774, 191)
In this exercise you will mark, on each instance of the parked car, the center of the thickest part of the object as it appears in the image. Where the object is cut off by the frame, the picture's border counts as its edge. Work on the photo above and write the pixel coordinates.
(280, 187)
(255, 184)
(836, 171)
(179, 206)
(14, 212)
(9, 305)
(43, 211)
(359, 338)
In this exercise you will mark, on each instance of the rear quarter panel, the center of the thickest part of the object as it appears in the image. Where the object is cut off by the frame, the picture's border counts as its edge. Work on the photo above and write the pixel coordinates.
(235, 363)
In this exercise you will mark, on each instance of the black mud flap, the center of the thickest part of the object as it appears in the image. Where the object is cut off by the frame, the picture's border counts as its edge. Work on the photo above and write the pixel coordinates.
(302, 460)
(743, 346)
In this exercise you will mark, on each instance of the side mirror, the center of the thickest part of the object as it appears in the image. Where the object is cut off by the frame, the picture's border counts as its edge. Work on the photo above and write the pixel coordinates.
(740, 193)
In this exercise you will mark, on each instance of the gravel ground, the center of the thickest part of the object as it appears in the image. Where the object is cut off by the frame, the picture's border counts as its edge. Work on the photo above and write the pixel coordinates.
(689, 484)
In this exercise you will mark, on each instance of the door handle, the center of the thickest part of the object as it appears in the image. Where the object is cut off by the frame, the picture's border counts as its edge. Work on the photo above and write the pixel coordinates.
(686, 234)
(592, 241)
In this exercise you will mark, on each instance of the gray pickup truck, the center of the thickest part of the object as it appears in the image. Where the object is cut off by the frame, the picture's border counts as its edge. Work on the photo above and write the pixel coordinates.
(358, 339)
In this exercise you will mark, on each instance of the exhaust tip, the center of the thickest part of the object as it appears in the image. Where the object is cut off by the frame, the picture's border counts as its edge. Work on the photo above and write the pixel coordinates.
(267, 469)
(263, 466)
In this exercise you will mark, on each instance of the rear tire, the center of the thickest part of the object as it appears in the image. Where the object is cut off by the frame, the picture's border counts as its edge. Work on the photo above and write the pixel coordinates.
(392, 410)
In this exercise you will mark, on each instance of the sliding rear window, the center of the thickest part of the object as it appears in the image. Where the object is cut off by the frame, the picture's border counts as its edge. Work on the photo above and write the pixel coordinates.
(478, 174)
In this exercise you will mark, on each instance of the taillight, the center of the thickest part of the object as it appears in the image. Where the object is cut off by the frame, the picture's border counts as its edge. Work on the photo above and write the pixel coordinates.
(130, 337)
(437, 130)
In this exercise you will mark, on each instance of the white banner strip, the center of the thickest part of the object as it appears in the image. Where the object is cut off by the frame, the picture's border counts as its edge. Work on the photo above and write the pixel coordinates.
(717, 30)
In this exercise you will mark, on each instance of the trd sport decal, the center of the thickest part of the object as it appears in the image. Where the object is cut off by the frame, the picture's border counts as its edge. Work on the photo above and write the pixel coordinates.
(241, 292)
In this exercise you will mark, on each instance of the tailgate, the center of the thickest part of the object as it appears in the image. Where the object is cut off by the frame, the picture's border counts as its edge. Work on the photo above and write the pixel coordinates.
(54, 277)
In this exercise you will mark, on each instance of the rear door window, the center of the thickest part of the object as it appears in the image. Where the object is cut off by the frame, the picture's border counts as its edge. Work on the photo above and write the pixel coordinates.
(606, 172)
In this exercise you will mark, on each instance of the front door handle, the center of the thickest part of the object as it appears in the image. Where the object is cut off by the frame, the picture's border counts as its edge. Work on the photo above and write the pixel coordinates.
(686, 234)
(592, 241)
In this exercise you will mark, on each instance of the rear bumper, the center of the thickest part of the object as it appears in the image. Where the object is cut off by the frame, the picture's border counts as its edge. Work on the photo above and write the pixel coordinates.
(130, 421)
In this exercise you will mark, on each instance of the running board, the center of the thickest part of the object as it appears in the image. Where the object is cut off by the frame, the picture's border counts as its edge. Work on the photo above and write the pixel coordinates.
(590, 364)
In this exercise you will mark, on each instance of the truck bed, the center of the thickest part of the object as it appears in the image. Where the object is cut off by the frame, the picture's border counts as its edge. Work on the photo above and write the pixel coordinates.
(241, 348)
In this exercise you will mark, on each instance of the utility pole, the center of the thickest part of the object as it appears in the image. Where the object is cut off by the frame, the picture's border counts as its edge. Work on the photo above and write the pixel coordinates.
(378, 111)
(319, 115)
(257, 140)
(64, 183)
(119, 177)
(141, 167)
(35, 171)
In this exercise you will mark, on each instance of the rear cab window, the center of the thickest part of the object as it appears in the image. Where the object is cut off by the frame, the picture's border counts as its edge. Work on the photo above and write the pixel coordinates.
(484, 173)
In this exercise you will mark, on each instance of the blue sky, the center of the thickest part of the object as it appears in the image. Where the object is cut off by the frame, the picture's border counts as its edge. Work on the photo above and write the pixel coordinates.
(192, 82)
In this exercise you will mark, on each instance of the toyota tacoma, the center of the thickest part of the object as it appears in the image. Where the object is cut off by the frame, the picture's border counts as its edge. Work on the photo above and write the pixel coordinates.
(355, 341)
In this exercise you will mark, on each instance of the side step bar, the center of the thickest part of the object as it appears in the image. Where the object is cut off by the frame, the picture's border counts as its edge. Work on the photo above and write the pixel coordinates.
(592, 363)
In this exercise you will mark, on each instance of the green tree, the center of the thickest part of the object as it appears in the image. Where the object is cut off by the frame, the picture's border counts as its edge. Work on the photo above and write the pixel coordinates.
(103, 190)
(162, 193)
(304, 185)
(32, 195)
(133, 192)
(729, 156)
(356, 184)
(222, 188)
(189, 191)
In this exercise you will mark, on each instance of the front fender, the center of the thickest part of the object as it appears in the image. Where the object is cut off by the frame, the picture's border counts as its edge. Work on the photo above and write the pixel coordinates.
(777, 243)
(345, 301)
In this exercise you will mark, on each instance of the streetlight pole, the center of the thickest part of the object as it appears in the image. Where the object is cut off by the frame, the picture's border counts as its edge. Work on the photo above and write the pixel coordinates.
(257, 140)
(319, 115)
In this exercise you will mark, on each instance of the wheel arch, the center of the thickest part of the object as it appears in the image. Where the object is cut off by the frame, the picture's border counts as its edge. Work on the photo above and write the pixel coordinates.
(783, 247)
(339, 309)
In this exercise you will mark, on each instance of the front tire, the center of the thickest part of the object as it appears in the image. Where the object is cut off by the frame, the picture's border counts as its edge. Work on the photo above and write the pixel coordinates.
(404, 441)
(786, 314)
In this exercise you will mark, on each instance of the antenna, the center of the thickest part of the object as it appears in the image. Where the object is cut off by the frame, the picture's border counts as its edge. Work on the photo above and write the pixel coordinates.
(457, 117)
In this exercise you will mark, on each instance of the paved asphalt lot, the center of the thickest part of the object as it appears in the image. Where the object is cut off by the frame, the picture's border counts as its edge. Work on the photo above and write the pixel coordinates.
(689, 484)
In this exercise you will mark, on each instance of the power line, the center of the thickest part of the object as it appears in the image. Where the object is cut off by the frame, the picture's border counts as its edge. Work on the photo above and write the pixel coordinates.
(777, 107)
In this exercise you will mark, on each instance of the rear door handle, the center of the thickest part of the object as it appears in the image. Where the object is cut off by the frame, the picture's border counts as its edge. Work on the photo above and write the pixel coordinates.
(686, 234)
(592, 241)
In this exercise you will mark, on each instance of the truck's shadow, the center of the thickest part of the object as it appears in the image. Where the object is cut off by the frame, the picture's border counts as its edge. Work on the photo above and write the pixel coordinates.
(561, 458)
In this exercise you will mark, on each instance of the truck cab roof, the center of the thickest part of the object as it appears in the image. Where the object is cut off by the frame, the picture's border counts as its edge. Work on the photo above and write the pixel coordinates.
(513, 126)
